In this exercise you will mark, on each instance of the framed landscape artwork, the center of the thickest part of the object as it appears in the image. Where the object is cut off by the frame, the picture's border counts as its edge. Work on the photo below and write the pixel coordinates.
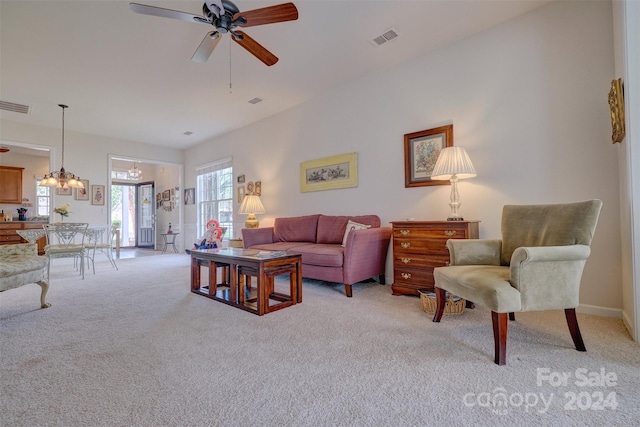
(421, 151)
(329, 173)
(97, 195)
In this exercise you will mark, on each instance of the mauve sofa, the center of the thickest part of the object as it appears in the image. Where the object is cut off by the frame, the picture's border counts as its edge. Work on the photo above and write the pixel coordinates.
(318, 238)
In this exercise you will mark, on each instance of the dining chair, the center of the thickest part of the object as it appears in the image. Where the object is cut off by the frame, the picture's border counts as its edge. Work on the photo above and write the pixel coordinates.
(96, 243)
(65, 240)
(91, 238)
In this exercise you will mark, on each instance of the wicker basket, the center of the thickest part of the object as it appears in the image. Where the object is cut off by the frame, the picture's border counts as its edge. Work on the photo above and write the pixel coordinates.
(454, 305)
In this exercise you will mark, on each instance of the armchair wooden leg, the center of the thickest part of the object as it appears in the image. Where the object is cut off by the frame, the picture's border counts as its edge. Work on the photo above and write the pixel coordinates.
(45, 287)
(347, 290)
(441, 301)
(500, 337)
(572, 321)
(512, 316)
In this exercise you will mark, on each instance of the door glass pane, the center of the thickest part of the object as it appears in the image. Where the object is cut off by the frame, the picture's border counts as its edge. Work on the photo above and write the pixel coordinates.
(146, 200)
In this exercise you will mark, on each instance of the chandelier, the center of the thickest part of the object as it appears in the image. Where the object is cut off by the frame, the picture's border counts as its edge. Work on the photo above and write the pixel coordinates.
(134, 173)
(62, 178)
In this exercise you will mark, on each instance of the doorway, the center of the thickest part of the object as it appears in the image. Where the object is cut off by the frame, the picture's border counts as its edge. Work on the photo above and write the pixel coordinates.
(133, 210)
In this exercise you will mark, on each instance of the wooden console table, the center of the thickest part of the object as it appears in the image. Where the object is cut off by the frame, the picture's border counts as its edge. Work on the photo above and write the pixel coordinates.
(421, 246)
(234, 262)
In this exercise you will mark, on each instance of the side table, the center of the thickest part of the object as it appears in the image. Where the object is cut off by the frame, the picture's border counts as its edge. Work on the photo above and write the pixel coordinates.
(421, 246)
(169, 239)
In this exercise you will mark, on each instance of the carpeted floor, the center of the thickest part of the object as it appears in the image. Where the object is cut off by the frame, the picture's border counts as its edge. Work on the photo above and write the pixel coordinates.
(135, 348)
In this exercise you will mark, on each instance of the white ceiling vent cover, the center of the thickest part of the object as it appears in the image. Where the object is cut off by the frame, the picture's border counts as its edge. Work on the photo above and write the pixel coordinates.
(387, 36)
(255, 100)
(13, 107)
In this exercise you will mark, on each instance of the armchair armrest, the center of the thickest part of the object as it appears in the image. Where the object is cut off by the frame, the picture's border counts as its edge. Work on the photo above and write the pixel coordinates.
(365, 253)
(548, 277)
(257, 236)
(474, 251)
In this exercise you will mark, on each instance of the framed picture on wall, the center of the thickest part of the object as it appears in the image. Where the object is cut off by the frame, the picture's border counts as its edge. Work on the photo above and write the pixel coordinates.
(83, 193)
(64, 191)
(97, 195)
(421, 151)
(190, 196)
(166, 195)
(328, 173)
(240, 193)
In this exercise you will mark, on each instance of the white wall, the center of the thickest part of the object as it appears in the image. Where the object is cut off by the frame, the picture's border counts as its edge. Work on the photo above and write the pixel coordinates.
(85, 155)
(527, 99)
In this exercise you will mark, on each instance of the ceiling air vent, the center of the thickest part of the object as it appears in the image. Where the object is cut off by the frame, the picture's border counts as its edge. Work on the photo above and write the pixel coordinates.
(387, 36)
(255, 100)
(13, 107)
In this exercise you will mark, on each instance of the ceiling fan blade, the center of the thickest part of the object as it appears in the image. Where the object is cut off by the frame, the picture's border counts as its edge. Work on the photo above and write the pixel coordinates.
(268, 15)
(255, 48)
(167, 13)
(208, 43)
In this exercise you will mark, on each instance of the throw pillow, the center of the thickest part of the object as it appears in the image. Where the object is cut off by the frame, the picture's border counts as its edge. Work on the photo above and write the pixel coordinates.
(352, 226)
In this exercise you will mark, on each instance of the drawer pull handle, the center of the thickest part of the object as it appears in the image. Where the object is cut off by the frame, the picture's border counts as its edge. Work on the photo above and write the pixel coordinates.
(406, 276)
(450, 233)
(406, 260)
(405, 245)
(405, 232)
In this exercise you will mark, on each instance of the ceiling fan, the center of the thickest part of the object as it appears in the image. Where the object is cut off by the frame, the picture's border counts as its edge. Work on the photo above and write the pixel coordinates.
(226, 17)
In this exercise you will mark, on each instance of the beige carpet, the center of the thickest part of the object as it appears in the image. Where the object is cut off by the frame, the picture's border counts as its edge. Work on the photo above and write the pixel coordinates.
(135, 348)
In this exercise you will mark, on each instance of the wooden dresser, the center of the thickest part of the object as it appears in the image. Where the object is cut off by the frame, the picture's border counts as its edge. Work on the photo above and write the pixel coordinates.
(419, 247)
(8, 235)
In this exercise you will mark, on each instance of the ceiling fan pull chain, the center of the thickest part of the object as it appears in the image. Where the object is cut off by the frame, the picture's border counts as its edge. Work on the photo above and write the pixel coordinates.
(230, 91)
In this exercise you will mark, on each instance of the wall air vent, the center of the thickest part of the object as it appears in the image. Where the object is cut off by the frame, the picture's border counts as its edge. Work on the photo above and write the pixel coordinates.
(255, 100)
(13, 107)
(386, 36)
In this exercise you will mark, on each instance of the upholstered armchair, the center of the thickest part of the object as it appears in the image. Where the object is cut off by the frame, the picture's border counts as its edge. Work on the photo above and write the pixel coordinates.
(537, 265)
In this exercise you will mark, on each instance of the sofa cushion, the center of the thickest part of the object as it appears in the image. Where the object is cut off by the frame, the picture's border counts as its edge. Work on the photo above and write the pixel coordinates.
(351, 225)
(320, 254)
(331, 228)
(296, 229)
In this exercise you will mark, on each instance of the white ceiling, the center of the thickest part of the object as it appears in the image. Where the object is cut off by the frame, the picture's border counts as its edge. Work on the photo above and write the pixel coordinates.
(130, 77)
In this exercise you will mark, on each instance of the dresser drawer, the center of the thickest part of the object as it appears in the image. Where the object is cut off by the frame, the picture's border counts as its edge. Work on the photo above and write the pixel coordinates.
(8, 238)
(442, 232)
(409, 260)
(413, 278)
(420, 246)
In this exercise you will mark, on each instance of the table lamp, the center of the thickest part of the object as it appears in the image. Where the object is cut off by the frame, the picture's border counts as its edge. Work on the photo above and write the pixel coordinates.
(453, 164)
(251, 205)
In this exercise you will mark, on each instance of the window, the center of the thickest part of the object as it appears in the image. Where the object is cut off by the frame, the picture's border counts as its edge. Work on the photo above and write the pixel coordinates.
(43, 200)
(214, 195)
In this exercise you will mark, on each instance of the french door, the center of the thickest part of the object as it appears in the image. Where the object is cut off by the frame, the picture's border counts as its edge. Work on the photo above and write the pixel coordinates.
(133, 211)
(146, 211)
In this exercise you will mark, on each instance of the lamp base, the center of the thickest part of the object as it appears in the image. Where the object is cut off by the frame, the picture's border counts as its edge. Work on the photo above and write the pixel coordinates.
(251, 222)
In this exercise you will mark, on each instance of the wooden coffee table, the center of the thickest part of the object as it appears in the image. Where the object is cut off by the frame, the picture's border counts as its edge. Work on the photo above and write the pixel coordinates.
(236, 263)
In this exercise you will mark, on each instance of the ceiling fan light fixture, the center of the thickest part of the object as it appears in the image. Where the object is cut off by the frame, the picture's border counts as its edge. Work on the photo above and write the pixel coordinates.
(225, 17)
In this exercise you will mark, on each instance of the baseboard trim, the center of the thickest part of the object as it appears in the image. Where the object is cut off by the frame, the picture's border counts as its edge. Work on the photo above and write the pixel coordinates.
(600, 311)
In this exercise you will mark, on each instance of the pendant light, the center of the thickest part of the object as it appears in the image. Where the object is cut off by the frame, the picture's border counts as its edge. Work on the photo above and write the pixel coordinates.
(62, 178)
(134, 173)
